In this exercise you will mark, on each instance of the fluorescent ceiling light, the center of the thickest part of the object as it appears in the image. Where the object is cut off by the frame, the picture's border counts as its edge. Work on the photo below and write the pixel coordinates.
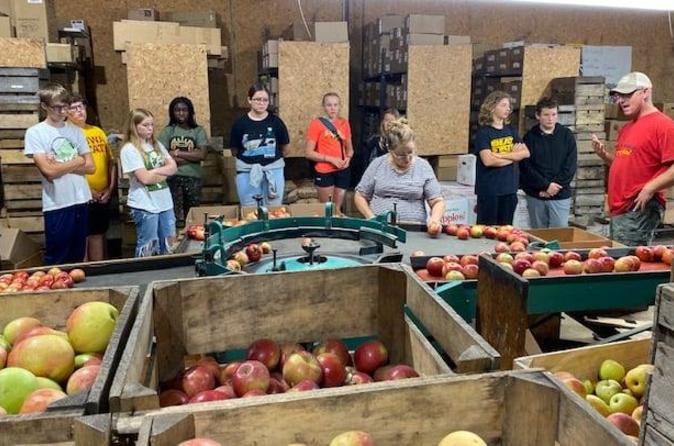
(655, 5)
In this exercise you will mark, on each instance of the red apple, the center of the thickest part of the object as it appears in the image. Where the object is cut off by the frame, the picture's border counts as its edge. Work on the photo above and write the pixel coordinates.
(227, 390)
(434, 266)
(277, 386)
(468, 260)
(596, 253)
(451, 229)
(529, 257)
(658, 251)
(490, 232)
(592, 266)
(450, 258)
(207, 395)
(83, 379)
(517, 247)
(541, 267)
(253, 252)
(556, 259)
(303, 386)
(210, 364)
(197, 379)
(334, 372)
(520, 265)
(370, 356)
(65, 277)
(572, 267)
(336, 347)
(450, 267)
(667, 256)
(288, 349)
(199, 442)
(572, 255)
(39, 400)
(625, 423)
(501, 247)
(644, 253)
(250, 375)
(301, 366)
(471, 271)
(502, 235)
(636, 263)
(607, 264)
(254, 392)
(355, 377)
(59, 285)
(462, 234)
(226, 372)
(395, 372)
(172, 397)
(266, 351)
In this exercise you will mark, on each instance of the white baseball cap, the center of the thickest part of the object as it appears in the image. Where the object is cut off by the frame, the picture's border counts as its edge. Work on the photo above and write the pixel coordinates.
(632, 82)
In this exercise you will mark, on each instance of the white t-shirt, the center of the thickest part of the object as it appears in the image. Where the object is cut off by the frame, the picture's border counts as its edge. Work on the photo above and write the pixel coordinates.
(64, 144)
(154, 198)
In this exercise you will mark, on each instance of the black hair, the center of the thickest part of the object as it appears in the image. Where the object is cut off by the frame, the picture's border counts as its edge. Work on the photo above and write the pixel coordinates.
(257, 86)
(546, 103)
(191, 122)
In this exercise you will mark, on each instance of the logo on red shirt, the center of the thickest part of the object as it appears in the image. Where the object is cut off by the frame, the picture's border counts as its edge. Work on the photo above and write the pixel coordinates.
(624, 151)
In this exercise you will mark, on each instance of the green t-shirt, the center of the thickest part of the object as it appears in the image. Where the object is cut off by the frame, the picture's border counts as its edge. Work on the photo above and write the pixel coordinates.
(175, 137)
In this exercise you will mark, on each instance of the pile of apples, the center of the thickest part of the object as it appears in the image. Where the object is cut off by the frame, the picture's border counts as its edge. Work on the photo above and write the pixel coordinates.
(42, 362)
(272, 368)
(250, 254)
(360, 438)
(196, 232)
(281, 212)
(616, 395)
(54, 279)
(451, 267)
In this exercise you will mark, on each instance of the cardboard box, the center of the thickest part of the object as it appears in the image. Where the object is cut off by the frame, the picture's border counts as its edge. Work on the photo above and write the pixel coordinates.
(425, 24)
(201, 19)
(331, 32)
(424, 39)
(61, 53)
(34, 19)
(196, 216)
(466, 170)
(149, 14)
(307, 209)
(18, 250)
(5, 27)
(387, 22)
(297, 32)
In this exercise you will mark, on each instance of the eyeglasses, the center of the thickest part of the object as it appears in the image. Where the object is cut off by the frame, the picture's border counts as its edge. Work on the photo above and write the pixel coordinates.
(260, 99)
(617, 98)
(78, 107)
(406, 156)
(60, 108)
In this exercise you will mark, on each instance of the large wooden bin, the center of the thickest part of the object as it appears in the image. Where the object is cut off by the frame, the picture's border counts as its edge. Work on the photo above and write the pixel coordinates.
(52, 308)
(198, 316)
(573, 238)
(521, 408)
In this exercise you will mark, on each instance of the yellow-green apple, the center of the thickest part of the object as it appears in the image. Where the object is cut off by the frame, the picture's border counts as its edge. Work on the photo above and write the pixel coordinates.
(418, 253)
(542, 256)
(599, 405)
(353, 438)
(576, 386)
(301, 366)
(625, 423)
(15, 328)
(38, 401)
(506, 266)
(334, 371)
(90, 326)
(84, 359)
(4, 343)
(199, 442)
(531, 273)
(288, 349)
(251, 375)
(611, 369)
(172, 397)
(83, 379)
(233, 265)
(265, 247)
(197, 379)
(623, 265)
(638, 413)
(589, 386)
(15, 385)
(635, 379)
(476, 231)
(462, 438)
(572, 267)
(605, 389)
(46, 383)
(336, 347)
(504, 257)
(241, 258)
(369, 356)
(50, 356)
(266, 351)
(622, 402)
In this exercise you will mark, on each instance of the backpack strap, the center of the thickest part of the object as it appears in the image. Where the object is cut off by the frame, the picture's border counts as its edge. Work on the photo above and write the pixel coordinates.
(332, 129)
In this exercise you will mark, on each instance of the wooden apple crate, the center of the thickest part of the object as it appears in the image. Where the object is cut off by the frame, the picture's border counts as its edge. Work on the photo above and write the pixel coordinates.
(584, 362)
(52, 308)
(522, 408)
(573, 238)
(208, 315)
(658, 428)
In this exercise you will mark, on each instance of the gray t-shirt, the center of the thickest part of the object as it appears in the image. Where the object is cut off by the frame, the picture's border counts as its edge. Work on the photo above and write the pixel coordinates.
(153, 198)
(63, 144)
(382, 186)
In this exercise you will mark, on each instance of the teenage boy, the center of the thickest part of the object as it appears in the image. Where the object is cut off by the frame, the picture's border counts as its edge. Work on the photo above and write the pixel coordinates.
(61, 153)
(546, 175)
(642, 164)
(102, 182)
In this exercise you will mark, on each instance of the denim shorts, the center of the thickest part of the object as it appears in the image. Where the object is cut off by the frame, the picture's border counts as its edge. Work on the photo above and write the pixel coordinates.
(246, 191)
(153, 232)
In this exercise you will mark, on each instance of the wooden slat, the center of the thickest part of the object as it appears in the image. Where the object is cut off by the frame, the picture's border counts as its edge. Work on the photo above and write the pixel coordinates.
(522, 410)
(14, 157)
(93, 430)
(18, 120)
(26, 224)
(661, 391)
(20, 174)
(15, 84)
(11, 144)
(169, 329)
(12, 134)
(18, 205)
(170, 429)
(23, 192)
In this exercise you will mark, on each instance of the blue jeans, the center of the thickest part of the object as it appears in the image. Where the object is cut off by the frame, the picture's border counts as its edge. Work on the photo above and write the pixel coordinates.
(246, 192)
(548, 213)
(153, 231)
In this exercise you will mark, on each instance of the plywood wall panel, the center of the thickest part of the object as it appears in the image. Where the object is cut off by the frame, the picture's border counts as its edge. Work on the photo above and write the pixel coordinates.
(438, 98)
(157, 73)
(308, 70)
(23, 53)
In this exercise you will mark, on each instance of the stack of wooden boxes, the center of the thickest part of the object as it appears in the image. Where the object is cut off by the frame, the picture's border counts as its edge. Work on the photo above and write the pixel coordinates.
(585, 97)
(21, 187)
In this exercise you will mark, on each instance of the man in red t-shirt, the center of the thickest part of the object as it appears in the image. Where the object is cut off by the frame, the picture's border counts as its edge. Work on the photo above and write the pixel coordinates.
(641, 166)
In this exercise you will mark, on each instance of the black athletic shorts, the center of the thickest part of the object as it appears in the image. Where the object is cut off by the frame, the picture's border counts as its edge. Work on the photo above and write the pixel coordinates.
(341, 179)
(99, 218)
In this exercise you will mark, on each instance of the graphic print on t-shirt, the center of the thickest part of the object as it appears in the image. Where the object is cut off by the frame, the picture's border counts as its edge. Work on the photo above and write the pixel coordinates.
(623, 151)
(502, 145)
(64, 150)
(97, 144)
(185, 143)
(259, 144)
(152, 161)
